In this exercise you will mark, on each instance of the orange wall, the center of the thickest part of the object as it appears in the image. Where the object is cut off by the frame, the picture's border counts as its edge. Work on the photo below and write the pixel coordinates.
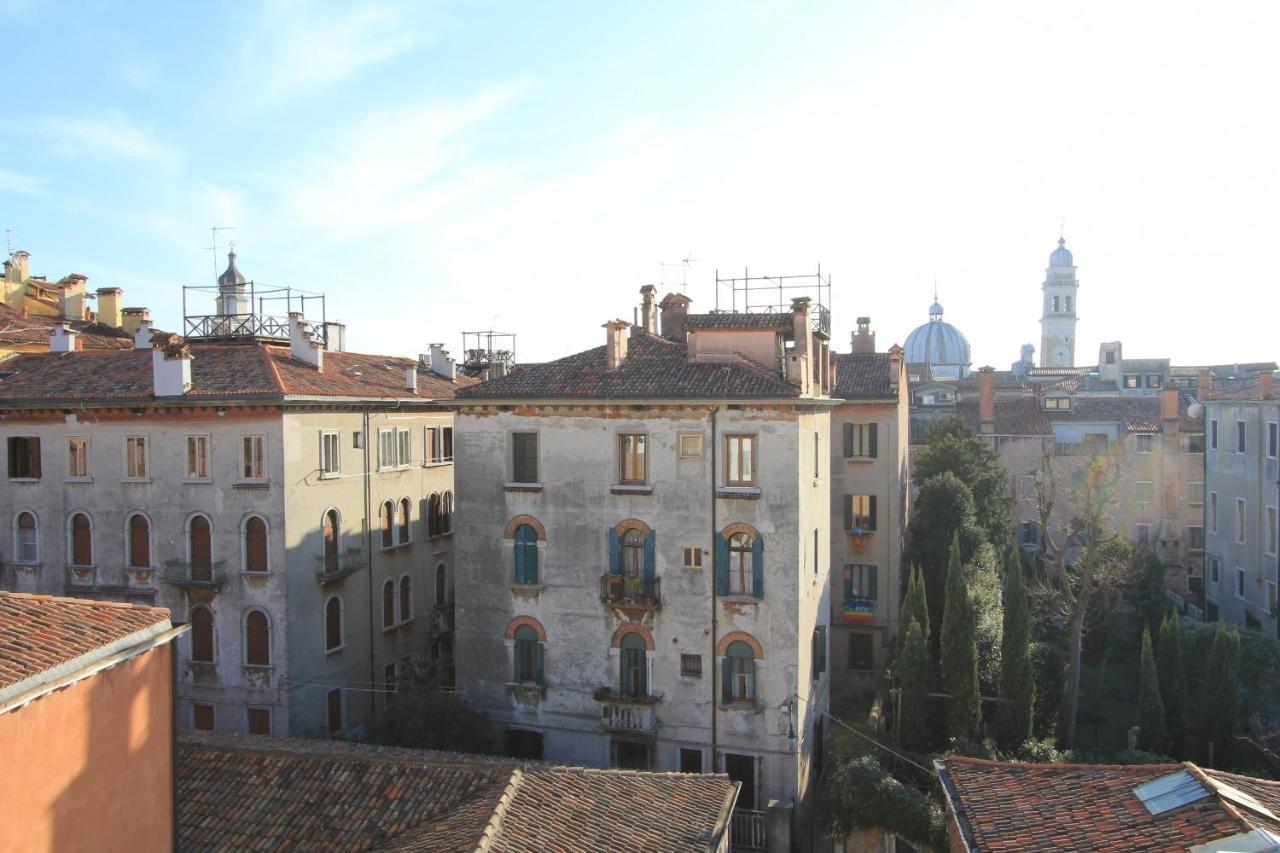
(90, 767)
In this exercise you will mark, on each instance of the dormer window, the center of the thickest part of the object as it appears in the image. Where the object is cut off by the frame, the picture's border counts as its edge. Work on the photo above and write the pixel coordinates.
(1057, 404)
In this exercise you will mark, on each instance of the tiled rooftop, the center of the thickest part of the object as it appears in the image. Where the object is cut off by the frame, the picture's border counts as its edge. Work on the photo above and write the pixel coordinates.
(1024, 416)
(17, 330)
(1004, 806)
(863, 376)
(240, 791)
(40, 632)
(655, 368)
(738, 320)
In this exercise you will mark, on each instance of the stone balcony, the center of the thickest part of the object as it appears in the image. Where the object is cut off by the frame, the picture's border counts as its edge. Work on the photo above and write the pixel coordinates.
(633, 714)
(331, 568)
(622, 591)
(185, 574)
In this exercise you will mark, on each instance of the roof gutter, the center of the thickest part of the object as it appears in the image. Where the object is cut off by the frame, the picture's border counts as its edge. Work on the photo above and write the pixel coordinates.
(954, 812)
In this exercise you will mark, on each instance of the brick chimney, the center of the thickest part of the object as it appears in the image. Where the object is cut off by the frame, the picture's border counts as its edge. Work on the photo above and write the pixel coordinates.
(110, 300)
(1266, 385)
(615, 351)
(649, 309)
(864, 340)
(1204, 385)
(799, 371)
(63, 338)
(675, 309)
(895, 368)
(302, 343)
(986, 400)
(1169, 404)
(170, 365)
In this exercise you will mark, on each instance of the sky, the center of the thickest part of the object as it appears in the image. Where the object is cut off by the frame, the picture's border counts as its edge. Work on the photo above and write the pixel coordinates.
(439, 167)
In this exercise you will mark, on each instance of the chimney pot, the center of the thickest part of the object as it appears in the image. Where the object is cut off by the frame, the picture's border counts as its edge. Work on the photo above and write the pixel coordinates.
(864, 340)
(649, 309)
(62, 339)
(1266, 385)
(1204, 385)
(1169, 403)
(302, 343)
(411, 378)
(142, 335)
(986, 400)
(110, 300)
(615, 343)
(675, 310)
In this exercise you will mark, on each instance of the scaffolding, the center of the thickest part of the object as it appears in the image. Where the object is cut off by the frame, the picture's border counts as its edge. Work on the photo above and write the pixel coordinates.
(264, 321)
(488, 354)
(774, 294)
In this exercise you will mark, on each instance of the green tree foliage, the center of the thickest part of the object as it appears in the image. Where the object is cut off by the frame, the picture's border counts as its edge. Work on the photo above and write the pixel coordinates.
(860, 794)
(1151, 731)
(1219, 703)
(423, 716)
(1017, 674)
(960, 655)
(1173, 685)
(914, 668)
(915, 604)
(954, 448)
(942, 513)
(983, 578)
(1259, 691)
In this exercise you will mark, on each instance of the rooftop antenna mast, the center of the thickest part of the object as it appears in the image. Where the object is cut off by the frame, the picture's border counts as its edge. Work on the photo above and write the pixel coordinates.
(683, 265)
(8, 240)
(214, 248)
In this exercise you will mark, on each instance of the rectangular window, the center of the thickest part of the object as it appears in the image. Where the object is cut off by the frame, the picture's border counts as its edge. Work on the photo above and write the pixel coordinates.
(1144, 491)
(253, 463)
(24, 458)
(860, 581)
(1133, 380)
(1061, 403)
(404, 448)
(386, 449)
(1273, 440)
(740, 460)
(1142, 534)
(1145, 443)
(78, 457)
(197, 457)
(259, 721)
(690, 760)
(1271, 530)
(691, 666)
(1240, 520)
(202, 717)
(815, 456)
(389, 677)
(1195, 537)
(860, 513)
(1029, 533)
(1212, 514)
(1195, 443)
(632, 465)
(524, 457)
(1239, 436)
(1215, 570)
(815, 552)
(1213, 435)
(860, 441)
(819, 651)
(330, 453)
(690, 445)
(692, 557)
(1195, 493)
(861, 655)
(135, 457)
(1239, 582)
(1270, 593)
(1153, 380)
(438, 445)
(334, 703)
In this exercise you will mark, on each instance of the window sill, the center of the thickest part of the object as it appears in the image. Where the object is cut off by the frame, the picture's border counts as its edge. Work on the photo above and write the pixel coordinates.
(749, 706)
(403, 622)
(197, 481)
(526, 588)
(260, 485)
(527, 691)
(335, 650)
(254, 573)
(861, 458)
(750, 493)
(78, 480)
(631, 489)
(437, 463)
(26, 567)
(522, 487)
(136, 480)
(388, 629)
(396, 546)
(24, 479)
(740, 598)
(330, 475)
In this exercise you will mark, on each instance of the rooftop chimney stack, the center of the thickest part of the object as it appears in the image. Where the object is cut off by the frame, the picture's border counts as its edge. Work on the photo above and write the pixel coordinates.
(1204, 385)
(18, 268)
(986, 400)
(675, 310)
(895, 368)
(615, 343)
(110, 300)
(864, 340)
(1266, 385)
(1169, 404)
(411, 378)
(71, 298)
(133, 320)
(170, 365)
(63, 338)
(799, 371)
(649, 309)
(302, 343)
(437, 360)
(142, 334)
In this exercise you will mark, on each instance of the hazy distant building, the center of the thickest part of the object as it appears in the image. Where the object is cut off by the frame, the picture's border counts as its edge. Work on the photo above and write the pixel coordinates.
(1058, 316)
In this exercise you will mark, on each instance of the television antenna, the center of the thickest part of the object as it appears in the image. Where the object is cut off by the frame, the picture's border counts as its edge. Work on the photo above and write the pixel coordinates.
(684, 265)
(8, 240)
(214, 248)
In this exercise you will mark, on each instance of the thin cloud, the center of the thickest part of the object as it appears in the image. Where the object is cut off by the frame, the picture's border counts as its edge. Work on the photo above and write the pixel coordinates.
(28, 185)
(106, 138)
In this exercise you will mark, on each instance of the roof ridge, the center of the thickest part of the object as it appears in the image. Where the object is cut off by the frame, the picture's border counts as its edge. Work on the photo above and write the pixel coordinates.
(494, 826)
(82, 602)
(990, 762)
(272, 368)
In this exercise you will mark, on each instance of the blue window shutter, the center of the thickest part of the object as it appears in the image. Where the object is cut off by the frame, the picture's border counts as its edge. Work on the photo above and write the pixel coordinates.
(537, 662)
(848, 440)
(615, 553)
(757, 566)
(722, 565)
(518, 552)
(531, 561)
(872, 592)
(650, 557)
(726, 679)
(872, 451)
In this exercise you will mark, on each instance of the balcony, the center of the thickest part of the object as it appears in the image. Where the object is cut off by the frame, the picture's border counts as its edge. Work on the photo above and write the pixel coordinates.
(81, 577)
(331, 568)
(632, 714)
(442, 619)
(858, 610)
(623, 591)
(187, 575)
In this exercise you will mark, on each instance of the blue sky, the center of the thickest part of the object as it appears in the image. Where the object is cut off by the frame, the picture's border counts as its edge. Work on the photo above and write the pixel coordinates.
(440, 167)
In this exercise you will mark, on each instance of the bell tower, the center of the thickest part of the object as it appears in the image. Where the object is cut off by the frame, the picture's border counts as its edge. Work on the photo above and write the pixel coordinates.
(1058, 316)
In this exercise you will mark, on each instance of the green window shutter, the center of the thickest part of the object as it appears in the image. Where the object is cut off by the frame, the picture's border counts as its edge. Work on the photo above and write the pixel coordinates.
(517, 457)
(722, 565)
(726, 679)
(872, 513)
(848, 440)
(757, 566)
(518, 551)
(848, 513)
(872, 590)
(531, 561)
(650, 560)
(615, 552)
(871, 440)
(537, 662)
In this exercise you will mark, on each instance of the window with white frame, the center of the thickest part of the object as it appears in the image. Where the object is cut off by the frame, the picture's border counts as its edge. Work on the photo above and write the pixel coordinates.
(1271, 530)
(1145, 442)
(197, 457)
(692, 557)
(135, 457)
(404, 447)
(26, 538)
(690, 445)
(330, 453)
(1241, 511)
(438, 445)
(1195, 492)
(253, 457)
(386, 449)
(1195, 537)
(1214, 570)
(78, 457)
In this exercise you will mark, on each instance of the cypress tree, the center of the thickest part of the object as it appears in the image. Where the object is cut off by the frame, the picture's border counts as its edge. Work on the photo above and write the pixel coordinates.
(960, 655)
(913, 679)
(1173, 685)
(1017, 674)
(1218, 706)
(1151, 731)
(914, 606)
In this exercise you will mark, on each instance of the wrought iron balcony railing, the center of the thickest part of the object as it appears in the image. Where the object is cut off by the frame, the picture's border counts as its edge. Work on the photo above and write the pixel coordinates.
(331, 568)
(632, 592)
(188, 575)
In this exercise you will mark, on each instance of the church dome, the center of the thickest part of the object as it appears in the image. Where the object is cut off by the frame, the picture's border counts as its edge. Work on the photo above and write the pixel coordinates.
(1061, 256)
(940, 345)
(232, 276)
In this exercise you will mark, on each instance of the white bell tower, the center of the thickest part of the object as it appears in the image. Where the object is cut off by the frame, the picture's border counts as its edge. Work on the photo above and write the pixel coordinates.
(1058, 316)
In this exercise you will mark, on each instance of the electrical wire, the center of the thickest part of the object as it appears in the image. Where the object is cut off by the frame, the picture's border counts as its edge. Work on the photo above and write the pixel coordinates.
(870, 739)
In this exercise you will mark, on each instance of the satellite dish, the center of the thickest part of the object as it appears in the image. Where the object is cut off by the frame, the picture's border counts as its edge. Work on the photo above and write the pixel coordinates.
(1194, 411)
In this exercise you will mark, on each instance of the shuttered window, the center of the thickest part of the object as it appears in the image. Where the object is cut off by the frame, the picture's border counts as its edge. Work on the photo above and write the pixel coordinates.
(333, 624)
(388, 603)
(259, 721)
(524, 456)
(257, 639)
(527, 657)
(255, 545)
(24, 458)
(860, 441)
(201, 634)
(525, 546)
(139, 541)
(861, 581)
(406, 598)
(859, 513)
(385, 518)
(201, 543)
(81, 540)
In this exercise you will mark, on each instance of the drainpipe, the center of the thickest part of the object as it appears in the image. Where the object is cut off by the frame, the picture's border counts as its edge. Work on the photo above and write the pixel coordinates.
(715, 604)
(368, 549)
(172, 648)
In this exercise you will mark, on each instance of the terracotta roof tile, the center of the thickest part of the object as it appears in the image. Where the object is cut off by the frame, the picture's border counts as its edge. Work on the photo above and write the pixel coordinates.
(1024, 415)
(863, 376)
(40, 632)
(738, 320)
(17, 330)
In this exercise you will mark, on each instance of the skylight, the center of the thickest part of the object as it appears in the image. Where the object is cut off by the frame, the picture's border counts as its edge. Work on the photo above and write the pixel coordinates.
(1170, 792)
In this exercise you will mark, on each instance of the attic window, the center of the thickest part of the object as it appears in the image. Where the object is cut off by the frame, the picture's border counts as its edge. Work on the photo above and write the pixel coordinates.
(1170, 792)
(1057, 403)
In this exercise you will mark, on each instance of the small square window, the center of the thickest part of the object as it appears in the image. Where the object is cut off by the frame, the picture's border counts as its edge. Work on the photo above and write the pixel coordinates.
(692, 557)
(259, 721)
(202, 717)
(690, 760)
(861, 654)
(1145, 443)
(24, 458)
(690, 445)
(691, 666)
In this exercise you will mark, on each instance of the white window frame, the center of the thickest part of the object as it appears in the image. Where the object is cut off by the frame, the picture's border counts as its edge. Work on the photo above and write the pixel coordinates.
(330, 471)
(260, 475)
(694, 552)
(145, 475)
(87, 476)
(386, 449)
(404, 447)
(1273, 533)
(1213, 570)
(1192, 499)
(407, 528)
(1241, 585)
(188, 476)
(1145, 442)
(1150, 487)
(435, 446)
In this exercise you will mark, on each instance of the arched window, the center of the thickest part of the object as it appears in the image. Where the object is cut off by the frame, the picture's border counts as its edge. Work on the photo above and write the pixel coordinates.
(632, 554)
(442, 581)
(331, 526)
(388, 534)
(257, 639)
(632, 666)
(528, 656)
(433, 516)
(446, 513)
(81, 540)
(255, 544)
(26, 538)
(202, 648)
(406, 598)
(526, 554)
(200, 543)
(739, 673)
(333, 623)
(740, 564)
(139, 541)
(388, 603)
(403, 527)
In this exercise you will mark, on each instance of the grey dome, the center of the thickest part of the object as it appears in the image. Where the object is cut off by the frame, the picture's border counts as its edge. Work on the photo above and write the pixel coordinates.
(1061, 256)
(940, 345)
(232, 275)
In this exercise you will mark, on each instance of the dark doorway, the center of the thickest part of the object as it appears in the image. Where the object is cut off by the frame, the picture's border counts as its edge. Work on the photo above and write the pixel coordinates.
(522, 743)
(690, 761)
(632, 755)
(742, 769)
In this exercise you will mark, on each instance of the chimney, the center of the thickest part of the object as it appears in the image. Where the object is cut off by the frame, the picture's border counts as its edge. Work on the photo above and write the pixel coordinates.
(335, 336)
(798, 370)
(895, 368)
(18, 268)
(986, 400)
(71, 297)
(109, 306)
(1204, 385)
(170, 365)
(411, 378)
(133, 320)
(1169, 403)
(615, 343)
(864, 340)
(675, 309)
(1266, 385)
(63, 338)
(302, 343)
(649, 309)
(142, 335)
(438, 362)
